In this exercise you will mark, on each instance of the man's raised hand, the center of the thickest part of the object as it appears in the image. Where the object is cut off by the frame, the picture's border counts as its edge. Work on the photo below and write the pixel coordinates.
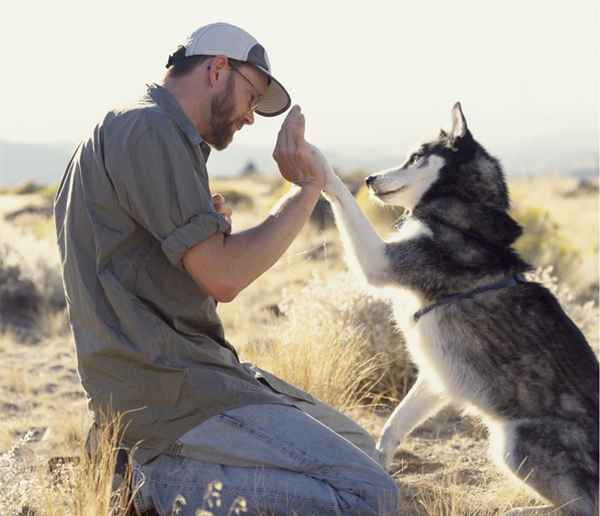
(296, 158)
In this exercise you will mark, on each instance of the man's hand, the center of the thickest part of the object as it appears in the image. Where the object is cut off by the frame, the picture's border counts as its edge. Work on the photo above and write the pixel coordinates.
(221, 207)
(296, 158)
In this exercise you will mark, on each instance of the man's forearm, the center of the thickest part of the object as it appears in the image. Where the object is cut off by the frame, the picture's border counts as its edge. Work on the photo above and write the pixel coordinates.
(253, 251)
(224, 265)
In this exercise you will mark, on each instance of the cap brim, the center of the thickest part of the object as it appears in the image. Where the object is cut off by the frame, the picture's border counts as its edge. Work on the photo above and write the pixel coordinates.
(276, 99)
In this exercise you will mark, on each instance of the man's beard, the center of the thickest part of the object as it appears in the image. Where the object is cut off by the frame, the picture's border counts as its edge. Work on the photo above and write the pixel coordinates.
(221, 112)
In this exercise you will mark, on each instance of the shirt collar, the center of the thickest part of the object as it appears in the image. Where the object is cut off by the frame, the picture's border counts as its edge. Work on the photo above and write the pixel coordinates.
(171, 107)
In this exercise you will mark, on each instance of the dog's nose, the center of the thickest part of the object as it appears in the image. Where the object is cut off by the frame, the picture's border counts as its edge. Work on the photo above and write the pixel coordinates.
(369, 180)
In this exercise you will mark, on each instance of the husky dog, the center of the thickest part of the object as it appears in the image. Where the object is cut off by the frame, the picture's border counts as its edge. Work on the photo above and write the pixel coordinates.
(482, 336)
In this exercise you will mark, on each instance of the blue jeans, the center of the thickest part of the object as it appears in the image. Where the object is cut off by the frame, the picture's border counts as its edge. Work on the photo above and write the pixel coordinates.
(278, 459)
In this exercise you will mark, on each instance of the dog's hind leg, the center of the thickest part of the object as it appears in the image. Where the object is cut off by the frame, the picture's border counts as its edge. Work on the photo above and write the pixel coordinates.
(420, 403)
(556, 460)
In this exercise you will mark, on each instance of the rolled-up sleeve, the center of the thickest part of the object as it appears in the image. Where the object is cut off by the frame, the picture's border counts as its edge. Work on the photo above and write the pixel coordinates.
(158, 185)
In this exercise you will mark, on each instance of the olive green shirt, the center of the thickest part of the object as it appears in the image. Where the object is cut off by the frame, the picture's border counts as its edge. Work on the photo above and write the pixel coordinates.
(134, 197)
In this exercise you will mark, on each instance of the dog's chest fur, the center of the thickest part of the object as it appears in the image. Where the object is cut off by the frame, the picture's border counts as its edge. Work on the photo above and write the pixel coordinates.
(434, 348)
(437, 353)
(424, 339)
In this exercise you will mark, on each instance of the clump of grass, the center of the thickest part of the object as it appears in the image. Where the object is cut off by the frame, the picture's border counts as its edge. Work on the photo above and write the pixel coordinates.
(28, 187)
(338, 342)
(19, 297)
(76, 485)
(30, 278)
(17, 486)
(449, 498)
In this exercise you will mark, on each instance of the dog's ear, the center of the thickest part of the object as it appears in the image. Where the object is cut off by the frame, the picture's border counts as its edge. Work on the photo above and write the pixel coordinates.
(459, 123)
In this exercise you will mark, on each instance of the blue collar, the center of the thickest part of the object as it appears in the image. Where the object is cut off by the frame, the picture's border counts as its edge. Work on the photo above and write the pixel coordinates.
(509, 281)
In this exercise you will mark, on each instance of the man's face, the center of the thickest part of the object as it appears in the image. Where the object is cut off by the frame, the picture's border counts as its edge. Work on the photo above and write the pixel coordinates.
(234, 106)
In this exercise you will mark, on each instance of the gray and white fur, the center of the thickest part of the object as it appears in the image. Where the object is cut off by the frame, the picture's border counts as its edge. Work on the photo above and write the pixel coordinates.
(511, 355)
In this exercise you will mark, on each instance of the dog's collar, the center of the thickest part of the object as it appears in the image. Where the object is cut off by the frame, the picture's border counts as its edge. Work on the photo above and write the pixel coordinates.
(509, 281)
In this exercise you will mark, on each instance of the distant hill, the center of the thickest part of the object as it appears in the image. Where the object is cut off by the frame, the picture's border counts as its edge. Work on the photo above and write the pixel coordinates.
(41, 162)
(46, 162)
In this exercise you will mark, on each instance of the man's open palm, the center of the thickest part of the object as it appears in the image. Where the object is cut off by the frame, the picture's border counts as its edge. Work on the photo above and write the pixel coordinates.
(295, 157)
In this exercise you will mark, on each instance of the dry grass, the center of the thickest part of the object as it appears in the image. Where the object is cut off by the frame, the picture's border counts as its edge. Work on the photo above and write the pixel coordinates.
(349, 356)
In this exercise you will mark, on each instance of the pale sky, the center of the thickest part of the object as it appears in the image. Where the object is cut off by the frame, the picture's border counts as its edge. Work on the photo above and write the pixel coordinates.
(367, 74)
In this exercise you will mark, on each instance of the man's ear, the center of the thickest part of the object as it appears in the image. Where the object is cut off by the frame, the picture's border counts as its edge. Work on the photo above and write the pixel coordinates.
(216, 67)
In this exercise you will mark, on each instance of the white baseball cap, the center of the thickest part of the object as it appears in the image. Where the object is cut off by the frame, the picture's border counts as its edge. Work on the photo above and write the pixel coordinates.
(228, 40)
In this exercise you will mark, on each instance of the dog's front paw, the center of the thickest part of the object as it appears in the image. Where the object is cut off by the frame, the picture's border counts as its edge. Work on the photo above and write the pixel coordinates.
(334, 186)
(386, 453)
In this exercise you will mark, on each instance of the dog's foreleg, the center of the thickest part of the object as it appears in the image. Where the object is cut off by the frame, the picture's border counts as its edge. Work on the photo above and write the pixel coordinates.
(365, 250)
(420, 403)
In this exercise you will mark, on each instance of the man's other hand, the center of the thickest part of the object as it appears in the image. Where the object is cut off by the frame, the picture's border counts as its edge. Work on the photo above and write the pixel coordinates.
(297, 161)
(221, 206)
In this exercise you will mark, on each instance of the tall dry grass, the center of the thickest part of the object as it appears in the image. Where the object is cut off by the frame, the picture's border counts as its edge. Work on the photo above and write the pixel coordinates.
(339, 342)
(77, 485)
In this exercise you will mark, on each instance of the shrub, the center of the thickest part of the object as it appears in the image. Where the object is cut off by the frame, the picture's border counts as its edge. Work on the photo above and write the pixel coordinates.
(339, 342)
(543, 243)
(28, 187)
(30, 278)
(19, 299)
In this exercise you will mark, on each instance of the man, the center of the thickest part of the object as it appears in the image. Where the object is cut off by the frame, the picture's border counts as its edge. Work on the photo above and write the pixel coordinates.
(146, 255)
